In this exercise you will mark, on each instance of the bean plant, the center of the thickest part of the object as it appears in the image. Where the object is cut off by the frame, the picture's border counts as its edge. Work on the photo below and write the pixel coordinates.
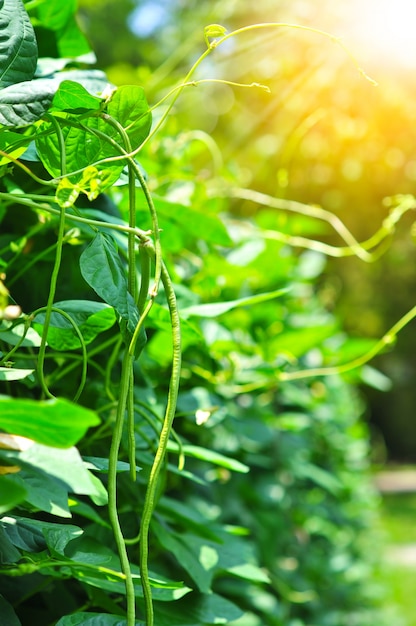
(170, 453)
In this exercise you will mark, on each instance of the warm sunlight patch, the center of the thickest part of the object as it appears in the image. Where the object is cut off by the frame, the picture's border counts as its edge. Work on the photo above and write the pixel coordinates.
(387, 27)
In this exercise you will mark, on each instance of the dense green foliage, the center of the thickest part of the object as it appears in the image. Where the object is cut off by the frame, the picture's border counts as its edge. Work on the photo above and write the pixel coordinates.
(324, 135)
(260, 513)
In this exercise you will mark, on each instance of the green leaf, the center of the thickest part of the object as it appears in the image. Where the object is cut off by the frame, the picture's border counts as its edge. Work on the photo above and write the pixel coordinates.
(92, 318)
(210, 456)
(213, 309)
(298, 342)
(103, 270)
(128, 105)
(321, 477)
(12, 143)
(83, 147)
(26, 102)
(101, 465)
(8, 552)
(199, 224)
(186, 556)
(56, 423)
(79, 507)
(8, 616)
(43, 492)
(214, 30)
(203, 559)
(94, 619)
(196, 610)
(10, 494)
(11, 373)
(55, 14)
(32, 535)
(86, 552)
(13, 334)
(70, 41)
(65, 465)
(18, 47)
(72, 96)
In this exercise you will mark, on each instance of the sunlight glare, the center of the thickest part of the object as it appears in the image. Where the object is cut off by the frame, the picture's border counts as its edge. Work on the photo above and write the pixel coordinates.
(387, 30)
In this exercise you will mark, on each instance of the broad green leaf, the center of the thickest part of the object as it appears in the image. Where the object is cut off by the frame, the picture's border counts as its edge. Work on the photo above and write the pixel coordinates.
(8, 616)
(43, 492)
(94, 619)
(13, 333)
(18, 47)
(70, 41)
(103, 270)
(92, 318)
(72, 96)
(185, 475)
(298, 342)
(213, 309)
(248, 571)
(13, 143)
(87, 550)
(204, 559)
(95, 564)
(201, 572)
(293, 422)
(196, 610)
(55, 14)
(190, 517)
(59, 537)
(56, 423)
(321, 477)
(31, 535)
(10, 494)
(47, 65)
(26, 102)
(11, 373)
(79, 507)
(210, 456)
(99, 464)
(200, 224)
(84, 148)
(65, 465)
(159, 317)
(9, 553)
(128, 105)
(94, 81)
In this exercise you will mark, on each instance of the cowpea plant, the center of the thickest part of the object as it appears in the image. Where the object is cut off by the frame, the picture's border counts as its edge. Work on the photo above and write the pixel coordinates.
(91, 339)
(79, 138)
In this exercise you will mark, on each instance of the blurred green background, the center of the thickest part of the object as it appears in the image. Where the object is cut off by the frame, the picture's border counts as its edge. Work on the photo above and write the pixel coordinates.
(324, 135)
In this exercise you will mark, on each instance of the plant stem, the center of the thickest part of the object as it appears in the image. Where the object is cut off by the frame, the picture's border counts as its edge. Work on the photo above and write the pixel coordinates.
(125, 382)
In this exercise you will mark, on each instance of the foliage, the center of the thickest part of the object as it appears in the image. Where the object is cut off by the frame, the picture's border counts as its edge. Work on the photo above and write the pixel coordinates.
(325, 137)
(260, 512)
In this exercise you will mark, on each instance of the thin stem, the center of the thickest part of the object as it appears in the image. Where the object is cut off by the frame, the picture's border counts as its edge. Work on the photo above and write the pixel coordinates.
(125, 383)
(142, 235)
(386, 340)
(54, 276)
(54, 309)
(267, 25)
